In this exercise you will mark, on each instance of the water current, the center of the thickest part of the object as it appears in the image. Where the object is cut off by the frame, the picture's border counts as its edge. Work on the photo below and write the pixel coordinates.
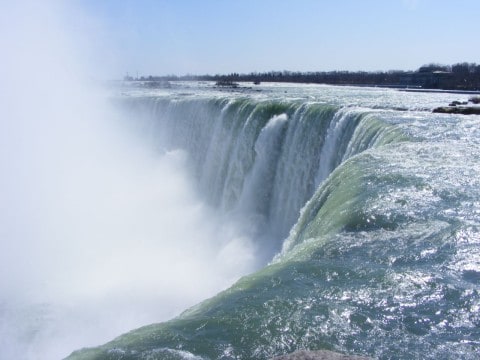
(363, 209)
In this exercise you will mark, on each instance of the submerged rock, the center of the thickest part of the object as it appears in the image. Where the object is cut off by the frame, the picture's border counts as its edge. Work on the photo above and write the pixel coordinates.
(465, 110)
(455, 103)
(319, 355)
(475, 99)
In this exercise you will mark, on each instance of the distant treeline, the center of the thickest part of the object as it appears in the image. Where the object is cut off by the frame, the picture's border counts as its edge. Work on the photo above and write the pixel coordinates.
(461, 76)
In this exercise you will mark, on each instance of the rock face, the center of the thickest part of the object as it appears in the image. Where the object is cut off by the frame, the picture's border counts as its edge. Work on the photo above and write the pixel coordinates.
(319, 355)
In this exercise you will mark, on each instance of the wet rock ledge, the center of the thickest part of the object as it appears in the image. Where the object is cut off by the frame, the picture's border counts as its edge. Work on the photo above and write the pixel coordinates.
(464, 108)
(319, 355)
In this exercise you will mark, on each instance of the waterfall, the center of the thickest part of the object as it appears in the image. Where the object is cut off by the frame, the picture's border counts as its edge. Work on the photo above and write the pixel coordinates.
(260, 160)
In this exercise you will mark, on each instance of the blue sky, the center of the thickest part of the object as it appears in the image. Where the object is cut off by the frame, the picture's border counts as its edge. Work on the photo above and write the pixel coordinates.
(223, 36)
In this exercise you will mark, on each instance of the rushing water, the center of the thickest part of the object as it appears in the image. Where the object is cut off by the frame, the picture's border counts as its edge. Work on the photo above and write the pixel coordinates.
(363, 211)
(366, 203)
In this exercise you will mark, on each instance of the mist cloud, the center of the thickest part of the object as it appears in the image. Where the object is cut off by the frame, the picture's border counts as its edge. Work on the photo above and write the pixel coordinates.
(99, 234)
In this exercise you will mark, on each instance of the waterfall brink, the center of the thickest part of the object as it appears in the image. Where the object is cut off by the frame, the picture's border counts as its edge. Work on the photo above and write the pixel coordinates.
(368, 220)
(260, 160)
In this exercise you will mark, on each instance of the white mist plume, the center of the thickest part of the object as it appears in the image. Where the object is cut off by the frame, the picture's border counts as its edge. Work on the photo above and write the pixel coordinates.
(98, 234)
